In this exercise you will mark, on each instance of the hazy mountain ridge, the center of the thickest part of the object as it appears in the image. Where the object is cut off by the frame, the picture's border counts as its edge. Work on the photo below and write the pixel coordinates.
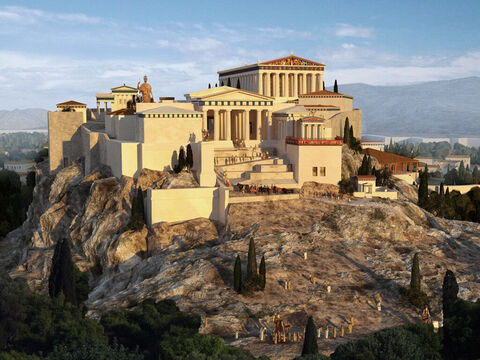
(438, 108)
(23, 119)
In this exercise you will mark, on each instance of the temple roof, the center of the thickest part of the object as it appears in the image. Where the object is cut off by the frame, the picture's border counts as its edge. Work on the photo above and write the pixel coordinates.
(224, 90)
(295, 109)
(124, 88)
(169, 109)
(71, 103)
(292, 60)
(322, 92)
(313, 119)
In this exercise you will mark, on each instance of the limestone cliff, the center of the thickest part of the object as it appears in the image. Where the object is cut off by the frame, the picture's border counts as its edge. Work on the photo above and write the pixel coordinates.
(361, 248)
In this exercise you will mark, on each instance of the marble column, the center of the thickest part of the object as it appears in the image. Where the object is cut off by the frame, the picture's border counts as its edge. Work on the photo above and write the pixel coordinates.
(228, 125)
(259, 125)
(277, 85)
(105, 105)
(246, 124)
(98, 107)
(204, 120)
(269, 125)
(216, 125)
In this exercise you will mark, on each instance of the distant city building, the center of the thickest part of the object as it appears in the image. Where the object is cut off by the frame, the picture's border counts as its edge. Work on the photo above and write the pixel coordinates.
(444, 165)
(373, 144)
(21, 167)
(401, 167)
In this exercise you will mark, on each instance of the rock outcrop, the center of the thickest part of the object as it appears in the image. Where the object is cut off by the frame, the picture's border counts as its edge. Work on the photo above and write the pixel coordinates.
(363, 249)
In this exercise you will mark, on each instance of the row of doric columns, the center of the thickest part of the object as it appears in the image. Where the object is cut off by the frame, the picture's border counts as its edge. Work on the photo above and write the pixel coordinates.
(312, 131)
(285, 84)
(232, 124)
(105, 106)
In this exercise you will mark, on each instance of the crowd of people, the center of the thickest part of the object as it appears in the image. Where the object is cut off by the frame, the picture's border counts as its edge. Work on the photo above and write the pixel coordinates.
(262, 189)
(329, 195)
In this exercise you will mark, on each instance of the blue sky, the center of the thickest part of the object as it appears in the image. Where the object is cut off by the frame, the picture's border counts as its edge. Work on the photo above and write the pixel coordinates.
(54, 51)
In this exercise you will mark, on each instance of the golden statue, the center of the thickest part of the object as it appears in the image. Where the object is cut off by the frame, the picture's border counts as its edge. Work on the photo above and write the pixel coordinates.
(146, 90)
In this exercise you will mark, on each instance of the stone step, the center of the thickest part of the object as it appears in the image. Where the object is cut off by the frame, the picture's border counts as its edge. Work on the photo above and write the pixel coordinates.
(270, 168)
(248, 165)
(255, 176)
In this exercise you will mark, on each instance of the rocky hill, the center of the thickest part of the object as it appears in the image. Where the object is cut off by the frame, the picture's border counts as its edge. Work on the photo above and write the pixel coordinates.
(362, 249)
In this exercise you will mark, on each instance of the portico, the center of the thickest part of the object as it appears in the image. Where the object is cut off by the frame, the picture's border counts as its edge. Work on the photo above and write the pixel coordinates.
(286, 77)
(231, 114)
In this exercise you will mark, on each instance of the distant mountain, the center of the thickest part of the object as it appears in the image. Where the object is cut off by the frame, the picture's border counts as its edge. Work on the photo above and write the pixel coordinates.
(447, 108)
(26, 119)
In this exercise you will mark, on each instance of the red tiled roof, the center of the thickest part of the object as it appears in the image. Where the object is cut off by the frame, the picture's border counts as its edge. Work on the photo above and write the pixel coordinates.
(366, 177)
(386, 158)
(313, 119)
(72, 102)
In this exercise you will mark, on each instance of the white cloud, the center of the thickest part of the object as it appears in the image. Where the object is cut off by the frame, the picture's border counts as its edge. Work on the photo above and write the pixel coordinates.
(346, 30)
(348, 46)
(26, 16)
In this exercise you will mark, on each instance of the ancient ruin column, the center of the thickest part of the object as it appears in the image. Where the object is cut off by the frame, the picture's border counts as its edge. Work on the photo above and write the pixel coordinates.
(277, 85)
(260, 83)
(246, 125)
(204, 119)
(228, 125)
(259, 124)
(216, 127)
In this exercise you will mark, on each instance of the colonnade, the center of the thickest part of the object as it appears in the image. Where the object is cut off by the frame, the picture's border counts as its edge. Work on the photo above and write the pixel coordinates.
(234, 124)
(278, 84)
(105, 106)
(311, 131)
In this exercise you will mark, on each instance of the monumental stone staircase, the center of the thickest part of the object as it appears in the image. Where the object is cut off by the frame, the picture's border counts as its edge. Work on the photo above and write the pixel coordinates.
(252, 169)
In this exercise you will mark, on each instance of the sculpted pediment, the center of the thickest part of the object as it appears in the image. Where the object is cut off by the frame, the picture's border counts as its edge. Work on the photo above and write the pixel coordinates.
(292, 60)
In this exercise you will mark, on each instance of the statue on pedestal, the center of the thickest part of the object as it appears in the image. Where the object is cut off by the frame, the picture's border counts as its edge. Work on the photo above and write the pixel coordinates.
(146, 91)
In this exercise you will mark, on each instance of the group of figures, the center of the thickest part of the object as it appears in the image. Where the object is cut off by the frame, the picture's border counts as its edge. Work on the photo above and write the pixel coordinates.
(262, 189)
(283, 332)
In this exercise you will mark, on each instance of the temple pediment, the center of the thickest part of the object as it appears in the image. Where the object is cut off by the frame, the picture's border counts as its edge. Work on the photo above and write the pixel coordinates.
(124, 88)
(226, 93)
(292, 60)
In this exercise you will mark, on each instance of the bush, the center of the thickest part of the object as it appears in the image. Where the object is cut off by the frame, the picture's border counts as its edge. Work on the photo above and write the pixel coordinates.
(414, 342)
(346, 186)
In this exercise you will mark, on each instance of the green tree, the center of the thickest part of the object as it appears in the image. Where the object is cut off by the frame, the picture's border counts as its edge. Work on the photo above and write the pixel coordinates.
(189, 159)
(237, 275)
(346, 132)
(423, 188)
(335, 87)
(61, 273)
(351, 138)
(252, 261)
(324, 88)
(415, 275)
(182, 161)
(449, 293)
(310, 345)
(262, 273)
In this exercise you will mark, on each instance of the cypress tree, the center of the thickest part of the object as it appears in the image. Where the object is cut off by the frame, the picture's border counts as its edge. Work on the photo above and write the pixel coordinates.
(415, 278)
(310, 345)
(363, 168)
(61, 273)
(252, 262)
(351, 137)
(209, 86)
(181, 160)
(346, 132)
(238, 84)
(449, 293)
(229, 83)
(189, 156)
(324, 88)
(335, 87)
(442, 190)
(423, 188)
(262, 273)
(237, 275)
(369, 165)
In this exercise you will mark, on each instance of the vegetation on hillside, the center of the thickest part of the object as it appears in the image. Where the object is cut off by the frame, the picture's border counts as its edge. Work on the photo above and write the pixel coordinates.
(21, 146)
